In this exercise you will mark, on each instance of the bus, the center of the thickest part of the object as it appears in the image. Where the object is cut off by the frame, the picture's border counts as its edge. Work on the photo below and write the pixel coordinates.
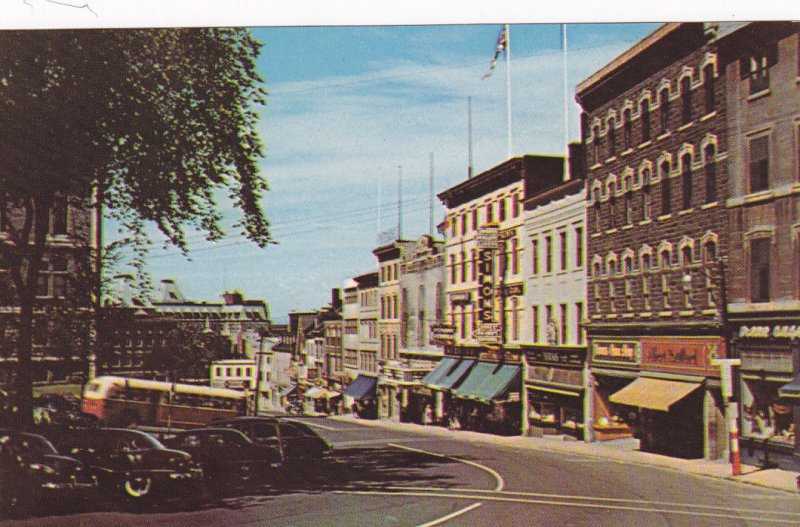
(121, 401)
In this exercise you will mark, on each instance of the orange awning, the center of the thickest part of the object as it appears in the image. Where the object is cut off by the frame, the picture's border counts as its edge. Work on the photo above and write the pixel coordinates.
(655, 394)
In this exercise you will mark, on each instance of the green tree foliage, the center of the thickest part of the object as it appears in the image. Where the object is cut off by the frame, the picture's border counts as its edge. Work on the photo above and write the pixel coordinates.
(160, 122)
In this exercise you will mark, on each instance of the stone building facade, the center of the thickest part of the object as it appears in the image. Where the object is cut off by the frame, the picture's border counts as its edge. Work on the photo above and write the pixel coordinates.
(654, 128)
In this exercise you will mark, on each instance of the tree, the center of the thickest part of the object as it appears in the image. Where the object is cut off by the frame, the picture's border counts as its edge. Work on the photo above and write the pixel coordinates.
(151, 125)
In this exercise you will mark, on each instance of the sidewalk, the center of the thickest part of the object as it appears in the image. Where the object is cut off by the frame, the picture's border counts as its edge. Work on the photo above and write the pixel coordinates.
(622, 450)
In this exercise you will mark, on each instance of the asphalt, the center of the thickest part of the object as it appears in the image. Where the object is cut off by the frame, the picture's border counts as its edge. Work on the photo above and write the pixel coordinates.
(621, 450)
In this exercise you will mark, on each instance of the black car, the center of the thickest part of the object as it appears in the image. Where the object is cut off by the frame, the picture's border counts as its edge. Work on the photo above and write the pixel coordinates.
(296, 441)
(227, 457)
(54, 415)
(34, 476)
(132, 464)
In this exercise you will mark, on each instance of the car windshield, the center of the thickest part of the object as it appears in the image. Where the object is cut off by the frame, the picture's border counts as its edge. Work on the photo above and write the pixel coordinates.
(33, 445)
(141, 441)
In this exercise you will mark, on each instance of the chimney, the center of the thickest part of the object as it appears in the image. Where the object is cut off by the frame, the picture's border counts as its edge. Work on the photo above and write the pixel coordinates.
(233, 298)
(336, 298)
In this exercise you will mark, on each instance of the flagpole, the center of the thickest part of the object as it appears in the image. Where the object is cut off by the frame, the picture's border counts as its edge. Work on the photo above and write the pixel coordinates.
(566, 104)
(508, 91)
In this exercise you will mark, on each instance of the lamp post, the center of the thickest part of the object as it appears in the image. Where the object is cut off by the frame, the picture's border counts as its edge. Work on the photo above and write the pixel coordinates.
(716, 281)
(259, 374)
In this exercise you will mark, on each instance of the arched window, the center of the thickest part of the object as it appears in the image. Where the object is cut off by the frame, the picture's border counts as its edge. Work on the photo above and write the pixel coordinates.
(686, 99)
(708, 87)
(626, 127)
(611, 135)
(644, 110)
(686, 177)
(711, 173)
(686, 255)
(666, 188)
(663, 103)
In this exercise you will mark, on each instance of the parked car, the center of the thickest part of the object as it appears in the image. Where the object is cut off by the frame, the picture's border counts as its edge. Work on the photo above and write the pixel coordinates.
(34, 476)
(54, 415)
(228, 458)
(296, 441)
(132, 464)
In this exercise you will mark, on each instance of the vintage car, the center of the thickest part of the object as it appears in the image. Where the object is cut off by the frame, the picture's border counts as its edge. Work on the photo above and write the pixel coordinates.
(228, 458)
(296, 441)
(35, 477)
(132, 464)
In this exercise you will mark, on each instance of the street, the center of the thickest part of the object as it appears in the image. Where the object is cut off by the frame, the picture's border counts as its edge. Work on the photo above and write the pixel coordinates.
(388, 477)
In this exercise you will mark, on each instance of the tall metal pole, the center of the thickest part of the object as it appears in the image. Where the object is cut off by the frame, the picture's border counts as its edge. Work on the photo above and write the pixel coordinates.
(566, 104)
(508, 91)
(96, 246)
(259, 374)
(399, 202)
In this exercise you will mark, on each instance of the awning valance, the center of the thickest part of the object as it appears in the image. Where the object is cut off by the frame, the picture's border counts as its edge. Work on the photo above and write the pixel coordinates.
(655, 394)
(488, 381)
(362, 388)
(790, 390)
(315, 392)
(452, 373)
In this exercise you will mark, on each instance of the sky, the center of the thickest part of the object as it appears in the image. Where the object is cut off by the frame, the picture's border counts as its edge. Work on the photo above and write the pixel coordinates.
(362, 95)
(352, 110)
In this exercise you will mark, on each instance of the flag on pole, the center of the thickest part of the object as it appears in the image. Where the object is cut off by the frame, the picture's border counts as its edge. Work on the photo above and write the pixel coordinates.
(502, 41)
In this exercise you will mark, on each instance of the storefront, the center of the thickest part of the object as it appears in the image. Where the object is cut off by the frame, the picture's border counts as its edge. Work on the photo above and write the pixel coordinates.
(676, 396)
(361, 396)
(768, 394)
(613, 365)
(555, 390)
(448, 374)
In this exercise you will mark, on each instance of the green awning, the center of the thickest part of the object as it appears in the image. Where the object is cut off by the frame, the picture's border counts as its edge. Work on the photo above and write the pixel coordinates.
(453, 375)
(790, 390)
(488, 381)
(441, 369)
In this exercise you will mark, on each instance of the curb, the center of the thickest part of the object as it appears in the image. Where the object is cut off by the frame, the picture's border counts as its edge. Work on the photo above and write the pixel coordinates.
(597, 451)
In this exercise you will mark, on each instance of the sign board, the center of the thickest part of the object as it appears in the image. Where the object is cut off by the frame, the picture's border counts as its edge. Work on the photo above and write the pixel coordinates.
(488, 333)
(486, 283)
(441, 333)
(462, 297)
(617, 351)
(782, 331)
(517, 289)
(487, 237)
(683, 355)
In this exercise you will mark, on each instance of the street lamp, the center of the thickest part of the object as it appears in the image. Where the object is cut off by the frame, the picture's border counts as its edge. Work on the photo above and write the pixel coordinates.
(259, 373)
(716, 280)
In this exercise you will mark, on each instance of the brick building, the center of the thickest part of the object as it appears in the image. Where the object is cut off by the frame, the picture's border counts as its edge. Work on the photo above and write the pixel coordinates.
(762, 73)
(654, 129)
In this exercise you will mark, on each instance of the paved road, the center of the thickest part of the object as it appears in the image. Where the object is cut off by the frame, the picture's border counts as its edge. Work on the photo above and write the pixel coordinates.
(383, 477)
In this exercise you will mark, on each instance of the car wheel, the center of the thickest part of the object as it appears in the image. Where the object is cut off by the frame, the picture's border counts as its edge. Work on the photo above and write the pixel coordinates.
(138, 486)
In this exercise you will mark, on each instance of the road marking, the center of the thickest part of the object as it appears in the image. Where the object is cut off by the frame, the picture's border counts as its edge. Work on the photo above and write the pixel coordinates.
(593, 498)
(561, 503)
(368, 442)
(451, 515)
(497, 477)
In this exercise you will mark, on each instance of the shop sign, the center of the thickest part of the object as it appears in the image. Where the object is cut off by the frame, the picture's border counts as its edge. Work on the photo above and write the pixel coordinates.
(442, 333)
(558, 356)
(236, 384)
(683, 355)
(488, 333)
(487, 237)
(486, 281)
(507, 234)
(619, 351)
(556, 375)
(513, 289)
(464, 297)
(777, 331)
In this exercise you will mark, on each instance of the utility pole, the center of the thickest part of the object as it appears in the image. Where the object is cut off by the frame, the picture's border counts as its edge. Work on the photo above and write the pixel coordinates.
(259, 373)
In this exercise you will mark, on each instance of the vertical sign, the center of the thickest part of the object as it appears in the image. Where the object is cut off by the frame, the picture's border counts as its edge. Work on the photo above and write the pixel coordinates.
(486, 281)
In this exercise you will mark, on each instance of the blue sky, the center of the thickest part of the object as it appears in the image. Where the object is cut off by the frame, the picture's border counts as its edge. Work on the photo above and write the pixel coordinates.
(347, 107)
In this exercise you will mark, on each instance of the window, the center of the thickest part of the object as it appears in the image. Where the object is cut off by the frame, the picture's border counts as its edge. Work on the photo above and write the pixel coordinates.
(686, 99)
(628, 295)
(474, 254)
(453, 226)
(514, 256)
(515, 206)
(579, 325)
(452, 269)
(759, 270)
(686, 176)
(628, 265)
(665, 290)
(535, 256)
(59, 267)
(663, 102)
(645, 115)
(596, 144)
(646, 262)
(612, 205)
(4, 223)
(514, 319)
(421, 325)
(626, 124)
(759, 74)
(647, 197)
(710, 251)
(58, 224)
(666, 189)
(759, 163)
(564, 324)
(628, 201)
(489, 213)
(548, 254)
(578, 246)
(686, 256)
(501, 209)
(612, 134)
(535, 320)
(564, 248)
(463, 266)
(711, 174)
(475, 219)
(708, 88)
(463, 224)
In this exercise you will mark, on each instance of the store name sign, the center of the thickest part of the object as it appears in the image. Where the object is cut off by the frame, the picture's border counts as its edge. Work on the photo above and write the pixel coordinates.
(684, 355)
(616, 351)
(486, 281)
(783, 332)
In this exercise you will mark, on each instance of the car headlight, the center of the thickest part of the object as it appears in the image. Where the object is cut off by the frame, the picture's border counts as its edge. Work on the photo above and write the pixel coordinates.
(44, 469)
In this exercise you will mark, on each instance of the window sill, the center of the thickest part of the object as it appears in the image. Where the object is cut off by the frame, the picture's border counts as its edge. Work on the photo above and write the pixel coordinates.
(709, 205)
(612, 231)
(758, 95)
(610, 159)
(627, 151)
(612, 316)
(665, 313)
(688, 313)
(627, 227)
(708, 116)
(709, 312)
(663, 136)
(628, 315)
(685, 126)
(595, 166)
(685, 212)
(646, 222)
(664, 217)
(646, 143)
(646, 314)
(596, 235)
